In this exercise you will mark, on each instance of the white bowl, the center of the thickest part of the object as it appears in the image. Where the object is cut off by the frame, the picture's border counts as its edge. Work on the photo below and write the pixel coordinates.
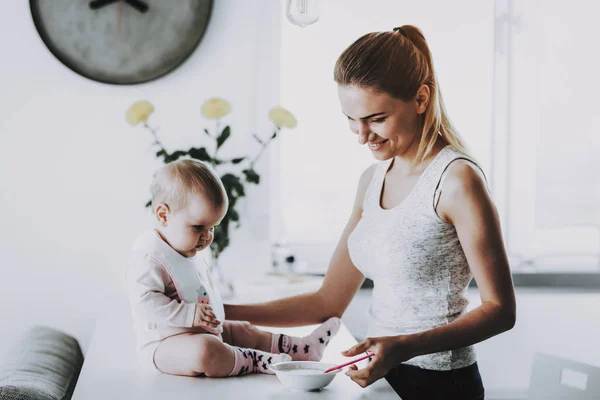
(304, 375)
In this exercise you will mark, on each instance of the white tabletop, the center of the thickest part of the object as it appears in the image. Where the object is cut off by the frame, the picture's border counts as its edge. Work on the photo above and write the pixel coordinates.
(111, 371)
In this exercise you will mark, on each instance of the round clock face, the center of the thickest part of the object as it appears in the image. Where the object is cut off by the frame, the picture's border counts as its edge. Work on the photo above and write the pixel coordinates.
(121, 41)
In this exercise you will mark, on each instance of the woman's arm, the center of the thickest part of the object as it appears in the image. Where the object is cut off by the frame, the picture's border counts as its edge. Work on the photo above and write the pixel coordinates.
(464, 202)
(341, 283)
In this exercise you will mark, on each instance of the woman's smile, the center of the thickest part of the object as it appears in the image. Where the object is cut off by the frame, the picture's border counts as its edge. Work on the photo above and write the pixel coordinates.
(377, 145)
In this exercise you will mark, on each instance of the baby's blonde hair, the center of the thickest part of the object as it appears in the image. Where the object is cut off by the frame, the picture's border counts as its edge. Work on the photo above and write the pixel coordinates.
(175, 181)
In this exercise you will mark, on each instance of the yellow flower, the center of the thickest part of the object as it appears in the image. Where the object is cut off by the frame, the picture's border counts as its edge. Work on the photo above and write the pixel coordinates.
(215, 108)
(139, 112)
(282, 117)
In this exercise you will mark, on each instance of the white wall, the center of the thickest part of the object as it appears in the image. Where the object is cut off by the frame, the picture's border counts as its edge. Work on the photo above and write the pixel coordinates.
(74, 177)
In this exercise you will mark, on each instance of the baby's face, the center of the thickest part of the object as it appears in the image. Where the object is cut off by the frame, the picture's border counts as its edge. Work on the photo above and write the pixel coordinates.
(191, 229)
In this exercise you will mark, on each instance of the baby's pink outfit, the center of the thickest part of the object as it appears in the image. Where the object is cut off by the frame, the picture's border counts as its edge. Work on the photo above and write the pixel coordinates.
(163, 288)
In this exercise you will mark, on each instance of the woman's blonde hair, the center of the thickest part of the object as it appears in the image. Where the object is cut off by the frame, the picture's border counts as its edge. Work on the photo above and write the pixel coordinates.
(175, 181)
(398, 63)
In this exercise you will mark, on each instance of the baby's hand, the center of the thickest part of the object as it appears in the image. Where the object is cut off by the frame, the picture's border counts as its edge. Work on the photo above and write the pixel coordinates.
(204, 317)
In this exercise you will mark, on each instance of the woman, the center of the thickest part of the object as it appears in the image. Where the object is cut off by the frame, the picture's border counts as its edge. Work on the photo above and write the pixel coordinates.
(423, 225)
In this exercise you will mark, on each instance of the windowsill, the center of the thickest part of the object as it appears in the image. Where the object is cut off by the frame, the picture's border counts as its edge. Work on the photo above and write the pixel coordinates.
(587, 281)
(576, 280)
(315, 255)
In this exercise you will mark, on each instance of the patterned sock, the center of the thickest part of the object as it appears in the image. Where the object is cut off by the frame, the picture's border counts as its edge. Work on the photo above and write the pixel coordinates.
(250, 361)
(308, 348)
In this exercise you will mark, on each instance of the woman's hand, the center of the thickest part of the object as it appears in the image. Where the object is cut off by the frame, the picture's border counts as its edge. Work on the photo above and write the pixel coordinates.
(388, 352)
(204, 317)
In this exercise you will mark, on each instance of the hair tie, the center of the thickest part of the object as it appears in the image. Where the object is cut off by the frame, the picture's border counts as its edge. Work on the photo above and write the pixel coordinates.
(400, 30)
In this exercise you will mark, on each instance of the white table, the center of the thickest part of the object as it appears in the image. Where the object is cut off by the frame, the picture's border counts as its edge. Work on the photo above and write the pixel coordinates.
(111, 371)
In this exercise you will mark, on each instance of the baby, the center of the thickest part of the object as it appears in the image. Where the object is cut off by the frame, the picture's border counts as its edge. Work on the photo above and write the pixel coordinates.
(178, 315)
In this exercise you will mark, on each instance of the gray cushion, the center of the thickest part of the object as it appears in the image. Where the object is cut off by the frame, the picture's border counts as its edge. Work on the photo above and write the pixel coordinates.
(43, 365)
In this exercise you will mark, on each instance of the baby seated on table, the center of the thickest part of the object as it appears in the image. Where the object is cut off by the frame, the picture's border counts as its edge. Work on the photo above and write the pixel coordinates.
(178, 315)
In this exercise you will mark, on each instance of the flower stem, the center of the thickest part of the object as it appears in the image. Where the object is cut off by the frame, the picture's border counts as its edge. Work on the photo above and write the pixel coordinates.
(156, 141)
(263, 148)
(214, 157)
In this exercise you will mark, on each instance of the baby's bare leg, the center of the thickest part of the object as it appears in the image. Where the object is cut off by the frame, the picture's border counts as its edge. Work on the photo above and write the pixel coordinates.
(191, 354)
(244, 334)
(197, 354)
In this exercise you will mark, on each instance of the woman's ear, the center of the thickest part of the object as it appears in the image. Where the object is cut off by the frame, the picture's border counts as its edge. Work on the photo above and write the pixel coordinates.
(422, 98)
(162, 212)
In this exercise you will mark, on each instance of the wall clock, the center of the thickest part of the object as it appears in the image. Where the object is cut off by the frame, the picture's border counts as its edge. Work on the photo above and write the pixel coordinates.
(121, 41)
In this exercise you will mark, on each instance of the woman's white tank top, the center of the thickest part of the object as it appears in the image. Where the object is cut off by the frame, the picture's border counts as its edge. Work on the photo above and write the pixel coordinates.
(416, 262)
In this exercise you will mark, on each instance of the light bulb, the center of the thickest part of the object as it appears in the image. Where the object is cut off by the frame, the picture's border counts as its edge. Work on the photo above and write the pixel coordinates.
(302, 12)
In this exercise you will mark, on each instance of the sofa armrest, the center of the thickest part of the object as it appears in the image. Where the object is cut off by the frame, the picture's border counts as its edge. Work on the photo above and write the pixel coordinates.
(43, 365)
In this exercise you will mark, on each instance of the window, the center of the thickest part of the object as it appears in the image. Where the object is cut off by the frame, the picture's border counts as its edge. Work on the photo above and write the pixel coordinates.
(519, 81)
(547, 135)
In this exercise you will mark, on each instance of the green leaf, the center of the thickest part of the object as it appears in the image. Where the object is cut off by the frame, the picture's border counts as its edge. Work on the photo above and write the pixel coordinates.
(233, 187)
(251, 176)
(200, 154)
(165, 156)
(233, 215)
(206, 131)
(238, 160)
(149, 203)
(274, 135)
(221, 238)
(175, 155)
(223, 136)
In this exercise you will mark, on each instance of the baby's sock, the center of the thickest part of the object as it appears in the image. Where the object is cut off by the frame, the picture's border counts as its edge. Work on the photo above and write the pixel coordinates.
(249, 361)
(308, 348)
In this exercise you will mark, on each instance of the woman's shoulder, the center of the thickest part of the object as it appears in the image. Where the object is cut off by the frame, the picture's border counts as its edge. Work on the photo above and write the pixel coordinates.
(464, 187)
(363, 184)
(367, 174)
(463, 175)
